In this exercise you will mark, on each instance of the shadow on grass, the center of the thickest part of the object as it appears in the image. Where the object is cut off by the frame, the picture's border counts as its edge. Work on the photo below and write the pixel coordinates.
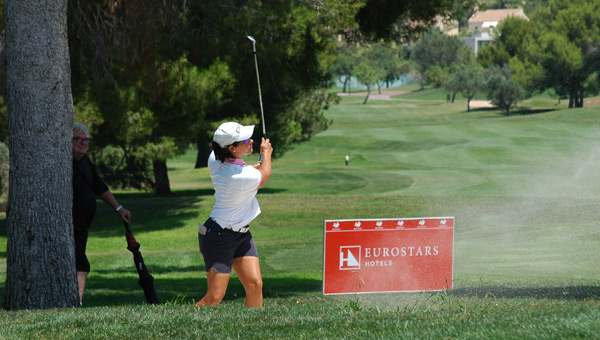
(152, 268)
(524, 111)
(124, 290)
(111, 291)
(120, 287)
(552, 293)
(269, 191)
(521, 111)
(150, 212)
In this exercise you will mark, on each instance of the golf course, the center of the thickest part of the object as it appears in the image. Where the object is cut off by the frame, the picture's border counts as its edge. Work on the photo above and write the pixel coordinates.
(524, 191)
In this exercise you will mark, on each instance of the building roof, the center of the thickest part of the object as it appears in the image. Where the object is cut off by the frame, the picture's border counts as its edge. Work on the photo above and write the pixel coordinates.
(497, 15)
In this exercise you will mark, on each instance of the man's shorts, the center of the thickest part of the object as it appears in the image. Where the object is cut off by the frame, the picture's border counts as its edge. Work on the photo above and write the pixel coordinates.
(220, 247)
(81, 261)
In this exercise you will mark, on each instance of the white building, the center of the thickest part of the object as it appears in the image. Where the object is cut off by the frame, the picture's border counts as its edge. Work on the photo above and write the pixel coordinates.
(477, 40)
(482, 23)
(486, 20)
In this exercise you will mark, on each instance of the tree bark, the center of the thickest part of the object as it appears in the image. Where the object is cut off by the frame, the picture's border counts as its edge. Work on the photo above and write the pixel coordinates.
(161, 178)
(40, 256)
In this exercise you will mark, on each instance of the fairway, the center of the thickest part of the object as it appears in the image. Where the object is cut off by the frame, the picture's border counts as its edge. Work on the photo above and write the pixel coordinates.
(524, 190)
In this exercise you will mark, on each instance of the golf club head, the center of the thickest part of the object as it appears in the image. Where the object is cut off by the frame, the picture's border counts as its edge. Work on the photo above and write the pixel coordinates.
(253, 42)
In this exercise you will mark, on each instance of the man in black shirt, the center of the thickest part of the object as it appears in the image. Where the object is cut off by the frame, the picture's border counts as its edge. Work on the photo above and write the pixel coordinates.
(86, 186)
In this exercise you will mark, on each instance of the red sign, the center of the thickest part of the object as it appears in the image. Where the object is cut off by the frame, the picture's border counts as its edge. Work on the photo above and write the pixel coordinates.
(388, 255)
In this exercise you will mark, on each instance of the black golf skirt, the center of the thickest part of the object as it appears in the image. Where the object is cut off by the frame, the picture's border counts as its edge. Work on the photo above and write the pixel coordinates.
(220, 247)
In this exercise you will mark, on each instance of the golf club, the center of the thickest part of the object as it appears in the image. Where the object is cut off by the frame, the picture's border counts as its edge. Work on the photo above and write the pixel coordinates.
(262, 114)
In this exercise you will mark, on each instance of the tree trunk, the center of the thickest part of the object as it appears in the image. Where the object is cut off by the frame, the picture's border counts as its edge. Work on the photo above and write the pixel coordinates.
(575, 99)
(40, 255)
(571, 100)
(368, 94)
(161, 178)
(202, 158)
(203, 146)
(580, 96)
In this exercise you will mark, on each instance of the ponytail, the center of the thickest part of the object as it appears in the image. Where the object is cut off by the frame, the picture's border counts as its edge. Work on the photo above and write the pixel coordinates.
(220, 153)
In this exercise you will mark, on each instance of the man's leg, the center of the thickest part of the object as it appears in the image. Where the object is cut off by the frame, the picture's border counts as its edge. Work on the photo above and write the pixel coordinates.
(82, 265)
(81, 277)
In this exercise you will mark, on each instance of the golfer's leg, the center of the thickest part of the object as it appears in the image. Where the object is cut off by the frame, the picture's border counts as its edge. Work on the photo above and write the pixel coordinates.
(248, 270)
(81, 278)
(217, 286)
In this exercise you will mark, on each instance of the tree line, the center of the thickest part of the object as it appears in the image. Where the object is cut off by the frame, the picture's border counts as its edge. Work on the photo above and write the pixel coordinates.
(149, 79)
(557, 50)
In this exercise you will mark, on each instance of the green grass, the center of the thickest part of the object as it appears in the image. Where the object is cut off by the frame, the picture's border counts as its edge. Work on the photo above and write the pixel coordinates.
(524, 190)
(432, 317)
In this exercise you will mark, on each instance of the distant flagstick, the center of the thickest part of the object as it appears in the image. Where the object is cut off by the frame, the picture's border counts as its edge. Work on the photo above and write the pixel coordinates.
(262, 113)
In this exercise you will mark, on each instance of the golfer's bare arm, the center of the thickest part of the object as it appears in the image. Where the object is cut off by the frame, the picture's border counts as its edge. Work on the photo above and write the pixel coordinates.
(265, 167)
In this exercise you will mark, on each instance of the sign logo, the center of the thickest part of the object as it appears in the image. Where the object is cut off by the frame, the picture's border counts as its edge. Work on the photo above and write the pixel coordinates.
(349, 257)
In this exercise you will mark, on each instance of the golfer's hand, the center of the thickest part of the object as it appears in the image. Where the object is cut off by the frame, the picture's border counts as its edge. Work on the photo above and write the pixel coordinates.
(125, 215)
(265, 147)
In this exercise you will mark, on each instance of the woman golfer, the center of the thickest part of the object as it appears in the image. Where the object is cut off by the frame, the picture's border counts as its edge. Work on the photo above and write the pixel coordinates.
(225, 240)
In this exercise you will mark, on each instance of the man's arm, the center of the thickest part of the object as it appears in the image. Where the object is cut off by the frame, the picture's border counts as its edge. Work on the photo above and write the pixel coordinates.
(109, 199)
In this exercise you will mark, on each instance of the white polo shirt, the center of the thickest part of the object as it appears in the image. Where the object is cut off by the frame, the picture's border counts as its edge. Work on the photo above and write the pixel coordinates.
(236, 185)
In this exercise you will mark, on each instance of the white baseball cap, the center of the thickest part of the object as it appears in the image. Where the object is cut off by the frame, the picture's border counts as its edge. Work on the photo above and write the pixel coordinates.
(231, 132)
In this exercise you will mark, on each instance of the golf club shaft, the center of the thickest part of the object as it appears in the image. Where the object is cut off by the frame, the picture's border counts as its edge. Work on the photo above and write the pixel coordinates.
(262, 113)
